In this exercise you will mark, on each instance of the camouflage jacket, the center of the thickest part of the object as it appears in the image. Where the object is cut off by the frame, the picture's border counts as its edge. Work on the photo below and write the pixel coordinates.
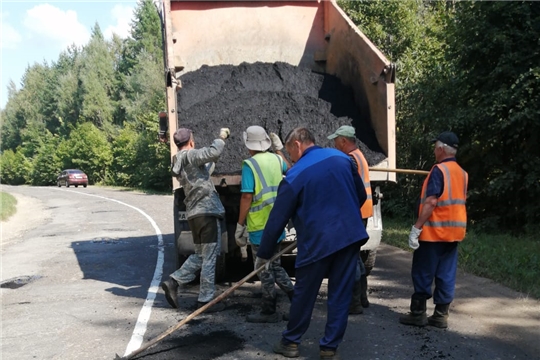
(192, 168)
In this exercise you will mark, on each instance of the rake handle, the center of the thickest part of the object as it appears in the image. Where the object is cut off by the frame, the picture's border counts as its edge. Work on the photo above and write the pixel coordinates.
(202, 309)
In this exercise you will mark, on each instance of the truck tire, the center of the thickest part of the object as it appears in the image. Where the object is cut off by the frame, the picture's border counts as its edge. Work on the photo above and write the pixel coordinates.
(368, 258)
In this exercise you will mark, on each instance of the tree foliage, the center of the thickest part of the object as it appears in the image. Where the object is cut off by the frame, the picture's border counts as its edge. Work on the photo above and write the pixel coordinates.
(95, 108)
(469, 67)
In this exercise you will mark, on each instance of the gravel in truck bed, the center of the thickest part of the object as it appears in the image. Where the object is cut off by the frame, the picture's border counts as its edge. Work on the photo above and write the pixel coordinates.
(278, 97)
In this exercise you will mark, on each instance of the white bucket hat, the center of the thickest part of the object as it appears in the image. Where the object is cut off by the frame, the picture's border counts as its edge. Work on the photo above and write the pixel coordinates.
(256, 139)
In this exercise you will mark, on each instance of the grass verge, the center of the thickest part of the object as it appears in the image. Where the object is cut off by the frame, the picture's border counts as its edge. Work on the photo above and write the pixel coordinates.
(509, 260)
(8, 205)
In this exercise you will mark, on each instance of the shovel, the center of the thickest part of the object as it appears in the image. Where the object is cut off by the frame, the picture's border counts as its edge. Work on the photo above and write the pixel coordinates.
(202, 309)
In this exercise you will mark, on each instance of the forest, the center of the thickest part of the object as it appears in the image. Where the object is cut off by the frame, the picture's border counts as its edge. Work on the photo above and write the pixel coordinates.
(472, 67)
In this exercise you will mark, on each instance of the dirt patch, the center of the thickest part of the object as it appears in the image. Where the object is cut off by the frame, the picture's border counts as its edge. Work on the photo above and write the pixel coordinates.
(278, 97)
(30, 214)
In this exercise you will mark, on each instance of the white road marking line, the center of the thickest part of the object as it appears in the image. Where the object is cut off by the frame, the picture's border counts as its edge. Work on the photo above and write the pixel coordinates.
(144, 316)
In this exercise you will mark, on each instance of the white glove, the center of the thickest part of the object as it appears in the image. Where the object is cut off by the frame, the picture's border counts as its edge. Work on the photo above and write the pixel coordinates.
(224, 133)
(413, 238)
(276, 142)
(260, 262)
(240, 235)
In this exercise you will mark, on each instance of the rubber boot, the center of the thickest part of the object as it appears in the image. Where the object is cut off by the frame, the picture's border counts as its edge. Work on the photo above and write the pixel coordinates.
(268, 313)
(363, 297)
(356, 302)
(440, 316)
(417, 316)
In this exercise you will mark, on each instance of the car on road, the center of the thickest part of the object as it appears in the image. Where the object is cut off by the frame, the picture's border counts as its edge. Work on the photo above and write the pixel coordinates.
(73, 177)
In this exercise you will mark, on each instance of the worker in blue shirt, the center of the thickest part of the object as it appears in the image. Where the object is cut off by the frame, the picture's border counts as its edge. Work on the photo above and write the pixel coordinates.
(321, 193)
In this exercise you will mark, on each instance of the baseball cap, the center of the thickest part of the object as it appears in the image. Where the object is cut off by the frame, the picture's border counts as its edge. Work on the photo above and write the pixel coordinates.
(345, 130)
(181, 136)
(448, 138)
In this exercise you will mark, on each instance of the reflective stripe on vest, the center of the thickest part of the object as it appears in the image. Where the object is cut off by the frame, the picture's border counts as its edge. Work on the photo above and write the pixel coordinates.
(367, 208)
(448, 221)
(267, 171)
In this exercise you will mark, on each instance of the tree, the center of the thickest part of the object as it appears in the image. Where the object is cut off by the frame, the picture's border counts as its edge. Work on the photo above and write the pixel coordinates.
(496, 108)
(411, 33)
(14, 167)
(146, 36)
(97, 82)
(87, 149)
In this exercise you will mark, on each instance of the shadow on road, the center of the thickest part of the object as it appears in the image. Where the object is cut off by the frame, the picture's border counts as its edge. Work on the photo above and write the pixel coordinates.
(127, 263)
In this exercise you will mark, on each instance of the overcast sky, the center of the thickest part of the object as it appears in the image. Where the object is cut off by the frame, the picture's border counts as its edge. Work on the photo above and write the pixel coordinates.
(34, 31)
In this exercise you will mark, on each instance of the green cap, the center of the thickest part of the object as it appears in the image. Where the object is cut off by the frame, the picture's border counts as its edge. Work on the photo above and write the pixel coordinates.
(345, 130)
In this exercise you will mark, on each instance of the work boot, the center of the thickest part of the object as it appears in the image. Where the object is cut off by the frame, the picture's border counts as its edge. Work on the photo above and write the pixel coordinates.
(440, 316)
(417, 316)
(328, 354)
(170, 288)
(220, 306)
(363, 296)
(287, 350)
(356, 302)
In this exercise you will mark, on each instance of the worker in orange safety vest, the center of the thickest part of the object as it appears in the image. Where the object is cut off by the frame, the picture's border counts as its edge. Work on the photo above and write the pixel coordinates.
(345, 141)
(441, 225)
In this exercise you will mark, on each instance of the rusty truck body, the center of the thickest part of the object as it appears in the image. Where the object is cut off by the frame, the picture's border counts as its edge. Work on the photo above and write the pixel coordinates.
(307, 33)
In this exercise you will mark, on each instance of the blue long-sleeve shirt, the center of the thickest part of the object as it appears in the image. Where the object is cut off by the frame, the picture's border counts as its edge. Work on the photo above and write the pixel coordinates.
(322, 193)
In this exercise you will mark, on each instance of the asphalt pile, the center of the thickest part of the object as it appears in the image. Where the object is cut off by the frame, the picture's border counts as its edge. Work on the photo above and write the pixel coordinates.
(279, 97)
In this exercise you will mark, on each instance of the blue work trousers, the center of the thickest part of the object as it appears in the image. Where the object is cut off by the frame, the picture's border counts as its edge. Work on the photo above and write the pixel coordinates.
(340, 268)
(435, 261)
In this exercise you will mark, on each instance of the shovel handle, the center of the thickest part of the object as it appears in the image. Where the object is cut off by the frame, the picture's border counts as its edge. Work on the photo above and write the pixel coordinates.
(403, 171)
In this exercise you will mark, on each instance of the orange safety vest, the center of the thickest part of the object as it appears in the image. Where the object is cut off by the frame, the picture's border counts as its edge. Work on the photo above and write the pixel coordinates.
(367, 209)
(448, 221)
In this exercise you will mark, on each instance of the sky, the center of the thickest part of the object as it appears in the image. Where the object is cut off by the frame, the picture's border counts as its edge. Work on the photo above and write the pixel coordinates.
(37, 31)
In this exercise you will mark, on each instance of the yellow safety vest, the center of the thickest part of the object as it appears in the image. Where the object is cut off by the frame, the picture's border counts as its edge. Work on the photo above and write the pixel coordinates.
(268, 172)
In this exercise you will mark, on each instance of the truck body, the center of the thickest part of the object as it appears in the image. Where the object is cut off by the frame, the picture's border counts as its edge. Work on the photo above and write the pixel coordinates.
(306, 33)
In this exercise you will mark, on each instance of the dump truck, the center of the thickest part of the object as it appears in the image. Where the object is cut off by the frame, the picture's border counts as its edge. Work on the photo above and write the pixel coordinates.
(316, 35)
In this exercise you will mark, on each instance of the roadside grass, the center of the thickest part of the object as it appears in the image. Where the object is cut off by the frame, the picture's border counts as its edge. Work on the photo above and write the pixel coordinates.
(509, 260)
(8, 205)
(134, 189)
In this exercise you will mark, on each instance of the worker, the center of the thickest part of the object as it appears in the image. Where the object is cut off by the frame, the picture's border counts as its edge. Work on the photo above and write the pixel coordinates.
(321, 193)
(204, 211)
(345, 141)
(440, 226)
(261, 175)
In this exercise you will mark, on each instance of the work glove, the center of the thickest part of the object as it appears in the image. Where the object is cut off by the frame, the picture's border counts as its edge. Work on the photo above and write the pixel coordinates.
(240, 235)
(276, 142)
(413, 238)
(260, 262)
(224, 133)
(243, 251)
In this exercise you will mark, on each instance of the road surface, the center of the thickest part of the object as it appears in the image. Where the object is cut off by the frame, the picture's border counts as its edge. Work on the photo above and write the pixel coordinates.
(79, 274)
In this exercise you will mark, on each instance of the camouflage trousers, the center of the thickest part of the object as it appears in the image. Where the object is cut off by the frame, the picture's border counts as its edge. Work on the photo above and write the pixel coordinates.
(203, 259)
(275, 275)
